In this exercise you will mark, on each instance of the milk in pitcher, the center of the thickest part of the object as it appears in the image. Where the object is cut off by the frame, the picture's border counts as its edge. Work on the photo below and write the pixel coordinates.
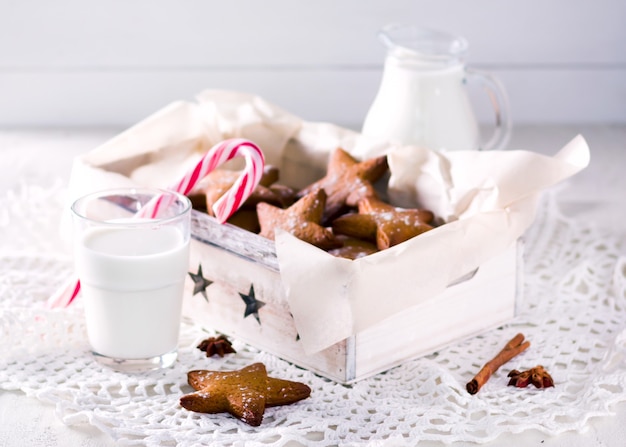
(422, 98)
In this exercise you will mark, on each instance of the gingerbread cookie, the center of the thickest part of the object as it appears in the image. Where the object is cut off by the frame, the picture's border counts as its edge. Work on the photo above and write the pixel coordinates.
(219, 181)
(383, 223)
(244, 393)
(353, 248)
(302, 219)
(246, 219)
(347, 181)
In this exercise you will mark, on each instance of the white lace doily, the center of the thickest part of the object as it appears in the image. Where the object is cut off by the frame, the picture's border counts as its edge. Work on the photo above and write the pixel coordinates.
(574, 314)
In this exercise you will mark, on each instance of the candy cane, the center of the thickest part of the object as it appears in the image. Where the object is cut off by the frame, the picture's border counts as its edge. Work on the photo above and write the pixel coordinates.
(216, 156)
(223, 208)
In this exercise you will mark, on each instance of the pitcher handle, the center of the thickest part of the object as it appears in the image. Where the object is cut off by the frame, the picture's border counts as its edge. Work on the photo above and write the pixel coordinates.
(500, 103)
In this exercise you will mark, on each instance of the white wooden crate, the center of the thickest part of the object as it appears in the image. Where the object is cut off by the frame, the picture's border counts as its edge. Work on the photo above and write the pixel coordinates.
(237, 262)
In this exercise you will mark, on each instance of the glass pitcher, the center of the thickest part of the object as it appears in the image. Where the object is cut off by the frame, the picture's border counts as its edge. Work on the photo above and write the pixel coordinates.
(422, 98)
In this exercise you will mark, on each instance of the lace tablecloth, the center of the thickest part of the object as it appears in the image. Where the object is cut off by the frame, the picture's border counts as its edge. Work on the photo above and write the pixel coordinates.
(574, 314)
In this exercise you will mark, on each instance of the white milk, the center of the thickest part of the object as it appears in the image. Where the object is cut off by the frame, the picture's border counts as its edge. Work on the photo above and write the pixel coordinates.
(423, 105)
(132, 283)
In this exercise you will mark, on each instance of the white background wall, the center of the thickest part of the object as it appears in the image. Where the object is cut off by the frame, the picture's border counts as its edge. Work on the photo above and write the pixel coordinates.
(111, 63)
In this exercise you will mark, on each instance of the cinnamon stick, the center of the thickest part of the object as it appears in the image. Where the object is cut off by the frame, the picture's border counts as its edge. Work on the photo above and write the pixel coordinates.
(510, 350)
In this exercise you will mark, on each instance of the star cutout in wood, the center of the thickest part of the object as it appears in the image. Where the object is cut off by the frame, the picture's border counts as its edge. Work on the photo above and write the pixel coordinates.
(200, 283)
(383, 223)
(243, 393)
(347, 181)
(252, 304)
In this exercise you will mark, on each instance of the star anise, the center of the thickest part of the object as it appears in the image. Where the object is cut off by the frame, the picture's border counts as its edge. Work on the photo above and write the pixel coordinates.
(219, 345)
(537, 376)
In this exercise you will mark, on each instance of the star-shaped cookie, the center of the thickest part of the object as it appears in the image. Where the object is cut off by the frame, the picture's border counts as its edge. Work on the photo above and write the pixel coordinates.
(347, 181)
(353, 248)
(219, 181)
(383, 223)
(302, 219)
(244, 393)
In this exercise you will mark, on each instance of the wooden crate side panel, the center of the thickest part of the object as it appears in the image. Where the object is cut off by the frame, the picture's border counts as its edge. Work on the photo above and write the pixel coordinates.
(466, 309)
(224, 310)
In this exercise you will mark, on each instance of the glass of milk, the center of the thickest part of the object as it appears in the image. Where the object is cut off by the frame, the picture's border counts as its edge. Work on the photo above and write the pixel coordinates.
(131, 251)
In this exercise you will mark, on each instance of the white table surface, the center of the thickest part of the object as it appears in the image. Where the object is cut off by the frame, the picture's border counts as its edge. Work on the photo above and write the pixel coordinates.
(596, 194)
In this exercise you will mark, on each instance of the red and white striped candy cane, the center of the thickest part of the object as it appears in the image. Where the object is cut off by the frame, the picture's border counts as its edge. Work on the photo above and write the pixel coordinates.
(216, 156)
(223, 208)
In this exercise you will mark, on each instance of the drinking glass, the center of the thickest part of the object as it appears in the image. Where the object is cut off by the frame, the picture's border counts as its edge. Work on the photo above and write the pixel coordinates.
(131, 250)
